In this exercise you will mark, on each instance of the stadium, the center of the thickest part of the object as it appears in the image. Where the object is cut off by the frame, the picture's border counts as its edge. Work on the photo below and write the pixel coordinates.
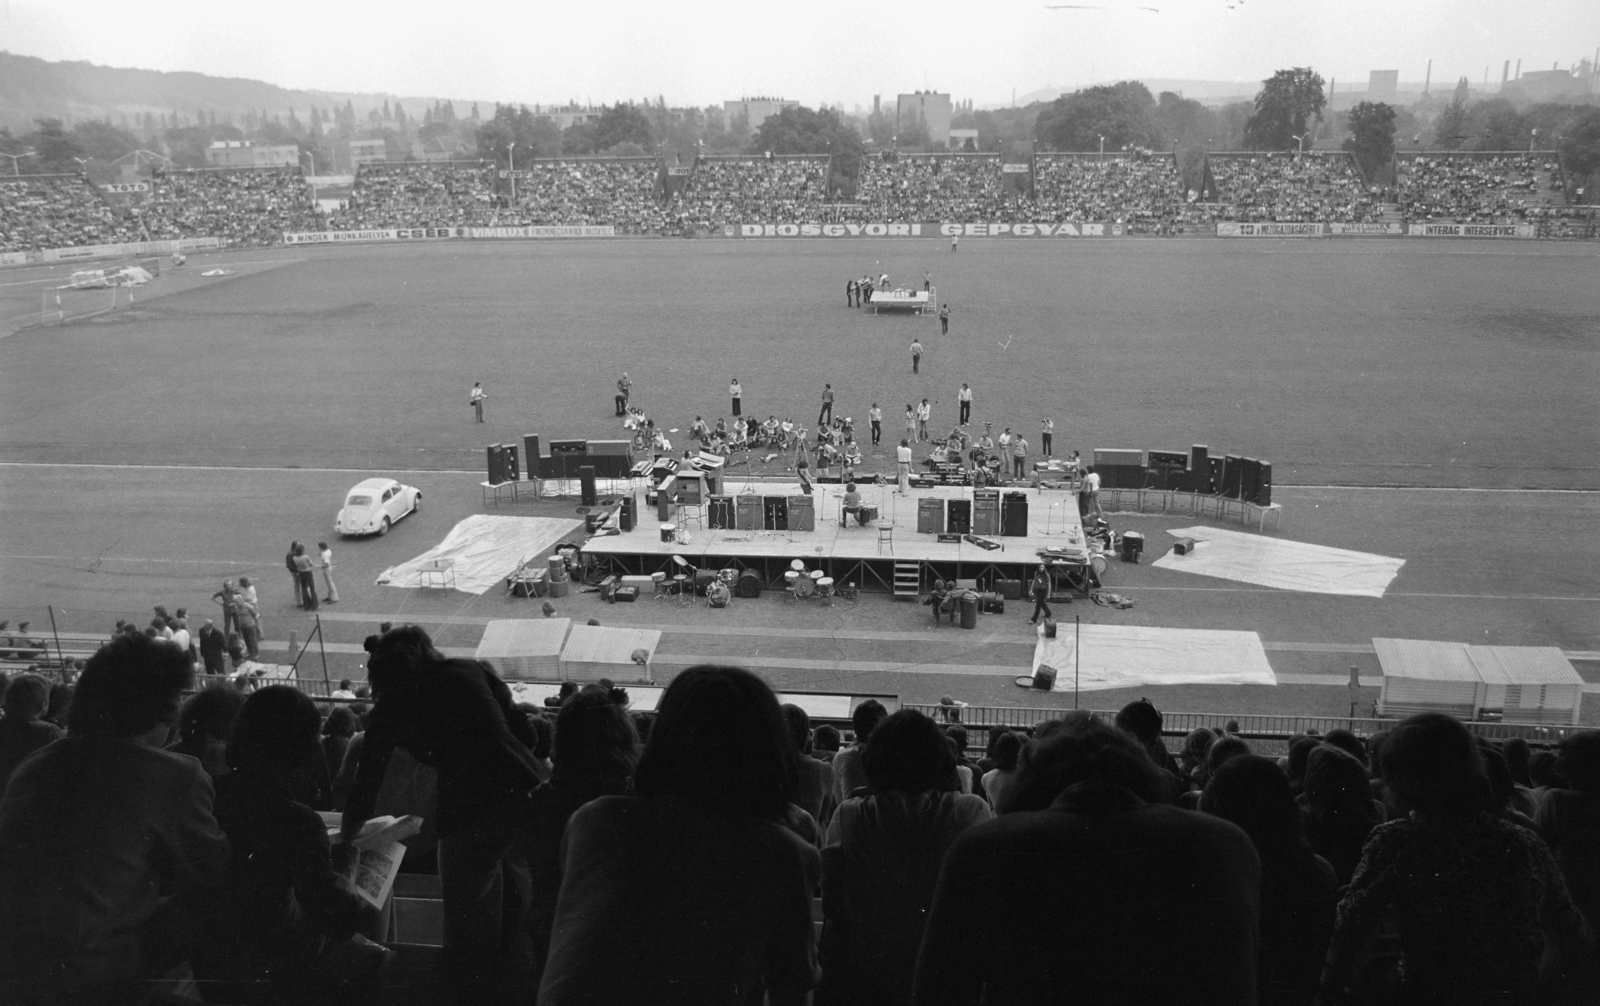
(1349, 425)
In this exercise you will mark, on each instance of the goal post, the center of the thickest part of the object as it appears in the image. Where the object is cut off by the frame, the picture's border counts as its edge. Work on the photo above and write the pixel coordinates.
(58, 305)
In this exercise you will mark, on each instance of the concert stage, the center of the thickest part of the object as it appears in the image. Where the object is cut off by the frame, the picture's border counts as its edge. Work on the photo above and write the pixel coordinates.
(864, 555)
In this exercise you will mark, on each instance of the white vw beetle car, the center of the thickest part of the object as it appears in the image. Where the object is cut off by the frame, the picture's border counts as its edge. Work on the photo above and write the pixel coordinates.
(372, 506)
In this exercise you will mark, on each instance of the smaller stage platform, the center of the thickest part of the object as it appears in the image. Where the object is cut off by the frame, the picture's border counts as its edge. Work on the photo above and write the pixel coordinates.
(915, 301)
(865, 555)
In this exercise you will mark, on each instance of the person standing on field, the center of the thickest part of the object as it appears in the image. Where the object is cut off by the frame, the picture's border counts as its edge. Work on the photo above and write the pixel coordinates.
(735, 392)
(825, 414)
(1041, 594)
(1047, 427)
(1019, 456)
(477, 399)
(916, 355)
(964, 396)
(944, 319)
(875, 416)
(924, 413)
(325, 563)
(624, 386)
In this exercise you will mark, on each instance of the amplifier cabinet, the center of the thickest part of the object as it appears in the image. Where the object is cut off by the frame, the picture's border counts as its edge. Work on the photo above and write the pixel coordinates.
(497, 464)
(1014, 515)
(1121, 476)
(1117, 456)
(775, 513)
(747, 515)
(569, 447)
(609, 447)
(958, 517)
(1232, 475)
(719, 512)
(930, 515)
(1264, 490)
(802, 514)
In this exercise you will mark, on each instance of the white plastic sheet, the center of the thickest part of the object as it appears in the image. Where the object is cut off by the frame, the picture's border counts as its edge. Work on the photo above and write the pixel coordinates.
(1128, 656)
(486, 550)
(1289, 565)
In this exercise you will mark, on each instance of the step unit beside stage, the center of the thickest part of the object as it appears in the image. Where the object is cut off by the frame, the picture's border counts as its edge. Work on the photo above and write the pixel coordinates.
(867, 555)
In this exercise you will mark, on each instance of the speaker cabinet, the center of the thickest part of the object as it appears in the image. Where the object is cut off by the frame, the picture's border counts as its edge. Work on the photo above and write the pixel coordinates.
(1044, 678)
(627, 516)
(775, 513)
(802, 514)
(747, 513)
(1213, 482)
(930, 515)
(497, 464)
(1198, 457)
(986, 511)
(513, 472)
(569, 447)
(1232, 475)
(1014, 515)
(586, 485)
(958, 517)
(1249, 480)
(530, 455)
(720, 512)
(598, 448)
(1264, 487)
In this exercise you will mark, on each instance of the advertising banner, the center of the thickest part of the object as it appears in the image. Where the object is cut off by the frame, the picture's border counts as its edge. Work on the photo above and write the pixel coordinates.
(1037, 229)
(1072, 229)
(873, 230)
(82, 252)
(12, 258)
(1473, 230)
(1014, 169)
(1234, 229)
(377, 234)
(1366, 230)
(539, 231)
(126, 187)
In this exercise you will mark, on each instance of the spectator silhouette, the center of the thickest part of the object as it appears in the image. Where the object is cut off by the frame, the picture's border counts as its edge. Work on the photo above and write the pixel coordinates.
(1339, 809)
(102, 830)
(813, 778)
(595, 752)
(691, 891)
(1570, 820)
(1067, 891)
(337, 730)
(1142, 721)
(1007, 751)
(279, 926)
(456, 716)
(882, 855)
(204, 724)
(1451, 859)
(21, 731)
(1298, 888)
(849, 774)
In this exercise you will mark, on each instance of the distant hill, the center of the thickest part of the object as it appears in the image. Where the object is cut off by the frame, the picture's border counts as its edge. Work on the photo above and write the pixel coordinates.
(32, 88)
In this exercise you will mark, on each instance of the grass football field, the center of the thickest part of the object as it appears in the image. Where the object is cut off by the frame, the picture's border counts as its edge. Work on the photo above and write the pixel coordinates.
(1443, 366)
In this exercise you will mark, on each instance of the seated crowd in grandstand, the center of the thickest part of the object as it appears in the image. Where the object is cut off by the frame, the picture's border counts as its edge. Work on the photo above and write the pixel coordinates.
(621, 193)
(243, 207)
(419, 195)
(1143, 192)
(1465, 189)
(590, 854)
(959, 188)
(1290, 188)
(724, 191)
(58, 211)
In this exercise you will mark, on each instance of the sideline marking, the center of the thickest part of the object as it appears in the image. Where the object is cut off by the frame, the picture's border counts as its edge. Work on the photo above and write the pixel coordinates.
(460, 471)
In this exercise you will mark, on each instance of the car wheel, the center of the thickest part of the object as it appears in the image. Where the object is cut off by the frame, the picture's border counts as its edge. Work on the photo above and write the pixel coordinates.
(383, 528)
(416, 504)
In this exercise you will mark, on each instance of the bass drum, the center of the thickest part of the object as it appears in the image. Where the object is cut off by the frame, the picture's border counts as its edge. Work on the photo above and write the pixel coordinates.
(749, 584)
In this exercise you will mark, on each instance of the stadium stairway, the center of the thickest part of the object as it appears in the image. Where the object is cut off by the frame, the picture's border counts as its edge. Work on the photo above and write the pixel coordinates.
(1391, 214)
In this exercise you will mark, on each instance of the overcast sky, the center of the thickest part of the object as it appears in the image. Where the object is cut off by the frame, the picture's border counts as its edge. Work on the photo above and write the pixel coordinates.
(818, 51)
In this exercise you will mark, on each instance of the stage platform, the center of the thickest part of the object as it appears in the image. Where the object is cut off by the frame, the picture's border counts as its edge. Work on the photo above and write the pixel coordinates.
(860, 554)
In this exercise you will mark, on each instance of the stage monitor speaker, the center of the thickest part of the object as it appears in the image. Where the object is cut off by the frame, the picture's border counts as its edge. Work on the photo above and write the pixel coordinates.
(586, 486)
(1198, 455)
(1250, 480)
(513, 470)
(625, 518)
(497, 464)
(1232, 475)
(1044, 679)
(1213, 482)
(1264, 488)
(1049, 628)
(530, 454)
(569, 447)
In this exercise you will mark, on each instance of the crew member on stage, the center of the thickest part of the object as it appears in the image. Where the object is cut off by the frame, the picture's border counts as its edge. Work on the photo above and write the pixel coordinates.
(903, 463)
(802, 468)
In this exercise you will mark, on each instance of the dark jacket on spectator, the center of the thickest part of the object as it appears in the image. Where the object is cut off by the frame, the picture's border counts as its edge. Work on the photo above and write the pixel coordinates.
(281, 900)
(20, 738)
(460, 720)
(96, 833)
(1078, 904)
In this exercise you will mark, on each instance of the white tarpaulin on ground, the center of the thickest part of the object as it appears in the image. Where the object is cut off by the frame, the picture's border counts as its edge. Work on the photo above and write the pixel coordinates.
(485, 549)
(1128, 656)
(1290, 565)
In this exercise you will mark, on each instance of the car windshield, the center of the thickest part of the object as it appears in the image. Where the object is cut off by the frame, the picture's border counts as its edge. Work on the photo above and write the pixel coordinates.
(362, 502)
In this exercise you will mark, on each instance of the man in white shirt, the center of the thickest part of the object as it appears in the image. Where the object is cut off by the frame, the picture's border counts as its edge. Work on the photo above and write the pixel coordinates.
(1089, 494)
(477, 399)
(247, 591)
(325, 563)
(964, 396)
(924, 413)
(1047, 427)
(735, 392)
(1019, 457)
(1005, 442)
(180, 634)
(903, 462)
(875, 415)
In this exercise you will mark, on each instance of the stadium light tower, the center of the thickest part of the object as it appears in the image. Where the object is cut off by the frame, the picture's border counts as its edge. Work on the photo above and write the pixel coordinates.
(30, 152)
(1102, 146)
(511, 158)
(1301, 141)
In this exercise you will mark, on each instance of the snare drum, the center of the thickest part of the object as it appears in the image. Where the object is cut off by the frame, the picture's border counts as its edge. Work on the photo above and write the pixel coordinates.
(866, 514)
(790, 577)
(816, 574)
(825, 587)
(668, 530)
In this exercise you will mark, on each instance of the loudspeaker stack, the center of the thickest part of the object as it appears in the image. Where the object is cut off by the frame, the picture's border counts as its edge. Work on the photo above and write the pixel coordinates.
(512, 469)
(586, 485)
(1044, 678)
(496, 464)
(625, 518)
(1232, 475)
(1264, 487)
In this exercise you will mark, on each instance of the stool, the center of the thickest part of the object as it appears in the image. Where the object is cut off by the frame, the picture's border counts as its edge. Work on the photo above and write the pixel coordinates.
(885, 537)
(680, 583)
(660, 579)
(691, 512)
(1275, 509)
(790, 579)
